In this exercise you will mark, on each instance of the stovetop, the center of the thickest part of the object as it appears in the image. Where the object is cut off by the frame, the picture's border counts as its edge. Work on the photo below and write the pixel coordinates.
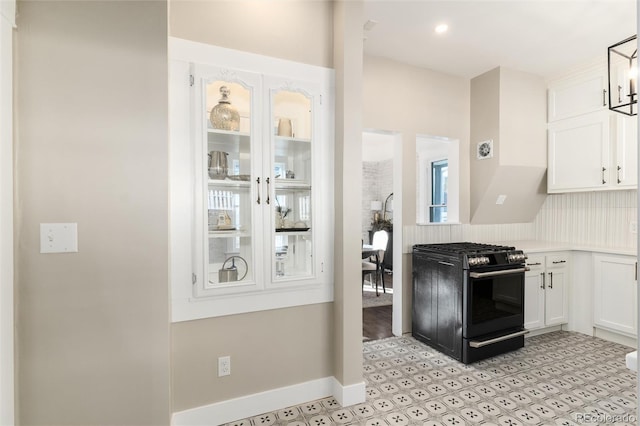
(475, 255)
(463, 248)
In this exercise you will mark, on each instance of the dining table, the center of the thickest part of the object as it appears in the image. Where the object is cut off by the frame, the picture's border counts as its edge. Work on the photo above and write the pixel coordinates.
(368, 251)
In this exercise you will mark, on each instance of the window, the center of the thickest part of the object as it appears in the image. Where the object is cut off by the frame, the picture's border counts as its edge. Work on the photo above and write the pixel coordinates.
(439, 177)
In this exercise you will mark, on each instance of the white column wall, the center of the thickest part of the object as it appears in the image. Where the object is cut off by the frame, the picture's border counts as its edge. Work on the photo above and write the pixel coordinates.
(7, 22)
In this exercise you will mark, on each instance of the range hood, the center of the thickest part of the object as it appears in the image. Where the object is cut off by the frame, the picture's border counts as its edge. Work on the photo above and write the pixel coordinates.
(508, 143)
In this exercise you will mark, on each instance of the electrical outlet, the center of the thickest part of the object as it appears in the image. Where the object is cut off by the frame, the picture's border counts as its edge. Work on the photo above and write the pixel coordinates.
(224, 366)
(633, 227)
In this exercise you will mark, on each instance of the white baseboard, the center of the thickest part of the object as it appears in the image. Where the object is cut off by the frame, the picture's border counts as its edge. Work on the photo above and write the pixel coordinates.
(272, 400)
(349, 395)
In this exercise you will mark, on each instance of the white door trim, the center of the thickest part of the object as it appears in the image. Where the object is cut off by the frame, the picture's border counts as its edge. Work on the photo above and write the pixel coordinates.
(7, 398)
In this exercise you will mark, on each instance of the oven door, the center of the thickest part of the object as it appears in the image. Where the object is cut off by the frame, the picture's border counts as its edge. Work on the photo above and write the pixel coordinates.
(493, 301)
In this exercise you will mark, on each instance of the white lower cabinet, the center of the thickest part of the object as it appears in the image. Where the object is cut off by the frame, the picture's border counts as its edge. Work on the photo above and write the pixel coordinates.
(615, 289)
(546, 290)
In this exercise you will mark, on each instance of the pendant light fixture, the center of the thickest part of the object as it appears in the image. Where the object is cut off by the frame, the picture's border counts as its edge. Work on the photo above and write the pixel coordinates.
(623, 76)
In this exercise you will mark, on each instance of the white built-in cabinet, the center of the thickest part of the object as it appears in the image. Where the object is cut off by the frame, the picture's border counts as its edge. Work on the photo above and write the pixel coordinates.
(589, 147)
(260, 229)
(580, 93)
(615, 288)
(547, 290)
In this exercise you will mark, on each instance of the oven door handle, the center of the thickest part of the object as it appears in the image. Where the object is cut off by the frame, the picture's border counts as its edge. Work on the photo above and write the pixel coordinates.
(496, 273)
(478, 344)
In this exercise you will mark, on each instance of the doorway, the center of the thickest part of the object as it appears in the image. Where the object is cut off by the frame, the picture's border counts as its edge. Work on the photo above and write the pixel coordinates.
(381, 210)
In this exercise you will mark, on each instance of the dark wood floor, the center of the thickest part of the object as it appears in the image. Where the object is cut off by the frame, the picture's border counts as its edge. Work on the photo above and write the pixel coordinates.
(376, 322)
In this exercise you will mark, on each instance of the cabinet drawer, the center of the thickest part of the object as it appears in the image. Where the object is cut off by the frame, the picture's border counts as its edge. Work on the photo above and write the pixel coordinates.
(557, 261)
(535, 262)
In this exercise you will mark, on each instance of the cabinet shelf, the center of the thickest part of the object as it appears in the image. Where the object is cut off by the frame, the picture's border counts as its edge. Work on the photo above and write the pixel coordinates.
(293, 231)
(228, 234)
(291, 184)
(228, 135)
(227, 183)
(292, 139)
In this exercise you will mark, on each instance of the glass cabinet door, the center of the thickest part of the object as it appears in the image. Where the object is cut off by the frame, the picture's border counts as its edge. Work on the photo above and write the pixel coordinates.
(228, 175)
(291, 170)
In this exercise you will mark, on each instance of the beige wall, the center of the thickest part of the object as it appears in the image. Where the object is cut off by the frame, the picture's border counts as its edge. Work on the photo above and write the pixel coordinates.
(300, 31)
(91, 148)
(509, 107)
(295, 345)
(348, 191)
(523, 119)
(417, 101)
(485, 125)
(268, 350)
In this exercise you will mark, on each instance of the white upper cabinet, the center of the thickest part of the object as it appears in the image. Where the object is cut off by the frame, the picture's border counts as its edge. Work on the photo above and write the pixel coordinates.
(590, 148)
(626, 147)
(253, 146)
(578, 153)
(578, 94)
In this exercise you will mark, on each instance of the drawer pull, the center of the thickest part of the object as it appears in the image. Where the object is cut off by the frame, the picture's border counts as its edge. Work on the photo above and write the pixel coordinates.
(555, 262)
(534, 264)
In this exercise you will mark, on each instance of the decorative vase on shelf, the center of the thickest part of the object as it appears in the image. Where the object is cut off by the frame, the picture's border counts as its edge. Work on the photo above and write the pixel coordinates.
(224, 116)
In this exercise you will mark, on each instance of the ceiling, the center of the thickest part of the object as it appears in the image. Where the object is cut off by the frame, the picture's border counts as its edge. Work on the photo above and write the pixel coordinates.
(544, 37)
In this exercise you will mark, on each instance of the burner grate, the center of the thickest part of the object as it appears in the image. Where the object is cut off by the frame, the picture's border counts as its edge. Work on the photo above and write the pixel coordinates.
(463, 247)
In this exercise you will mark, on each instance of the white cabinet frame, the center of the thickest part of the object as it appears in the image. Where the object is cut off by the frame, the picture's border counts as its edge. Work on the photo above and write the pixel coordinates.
(266, 294)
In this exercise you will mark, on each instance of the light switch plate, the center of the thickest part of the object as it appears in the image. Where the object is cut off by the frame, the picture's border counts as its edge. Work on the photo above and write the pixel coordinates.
(58, 237)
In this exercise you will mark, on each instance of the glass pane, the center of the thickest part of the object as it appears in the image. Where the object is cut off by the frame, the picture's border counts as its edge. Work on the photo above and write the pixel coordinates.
(228, 198)
(292, 166)
(439, 178)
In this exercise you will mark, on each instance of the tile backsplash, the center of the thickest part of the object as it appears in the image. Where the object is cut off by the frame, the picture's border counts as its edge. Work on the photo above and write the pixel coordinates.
(591, 218)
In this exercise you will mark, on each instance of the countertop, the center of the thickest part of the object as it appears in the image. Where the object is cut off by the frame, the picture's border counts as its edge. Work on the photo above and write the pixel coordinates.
(538, 246)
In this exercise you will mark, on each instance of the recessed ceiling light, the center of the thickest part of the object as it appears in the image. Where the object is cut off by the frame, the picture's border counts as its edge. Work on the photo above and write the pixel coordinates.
(442, 28)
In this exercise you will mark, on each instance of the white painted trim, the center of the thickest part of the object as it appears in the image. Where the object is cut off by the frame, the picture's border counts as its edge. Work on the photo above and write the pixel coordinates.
(349, 395)
(189, 309)
(263, 402)
(8, 11)
(397, 327)
(262, 295)
(7, 397)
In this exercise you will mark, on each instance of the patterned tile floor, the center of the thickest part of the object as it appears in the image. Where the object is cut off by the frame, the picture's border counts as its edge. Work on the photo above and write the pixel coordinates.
(559, 378)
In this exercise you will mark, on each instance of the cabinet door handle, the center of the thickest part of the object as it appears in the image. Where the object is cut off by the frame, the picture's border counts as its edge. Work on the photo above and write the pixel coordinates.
(559, 261)
(550, 279)
(619, 94)
(619, 168)
(604, 97)
(603, 170)
(268, 190)
(542, 286)
(636, 271)
(534, 264)
(258, 185)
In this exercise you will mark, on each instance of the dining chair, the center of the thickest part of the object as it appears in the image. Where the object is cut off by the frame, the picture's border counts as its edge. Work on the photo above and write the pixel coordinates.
(373, 265)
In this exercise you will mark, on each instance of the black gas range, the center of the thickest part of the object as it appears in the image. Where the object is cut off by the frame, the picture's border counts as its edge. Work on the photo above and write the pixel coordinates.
(468, 298)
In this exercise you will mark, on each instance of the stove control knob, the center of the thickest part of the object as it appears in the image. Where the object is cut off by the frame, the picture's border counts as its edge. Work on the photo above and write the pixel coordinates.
(485, 260)
(473, 261)
(517, 257)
